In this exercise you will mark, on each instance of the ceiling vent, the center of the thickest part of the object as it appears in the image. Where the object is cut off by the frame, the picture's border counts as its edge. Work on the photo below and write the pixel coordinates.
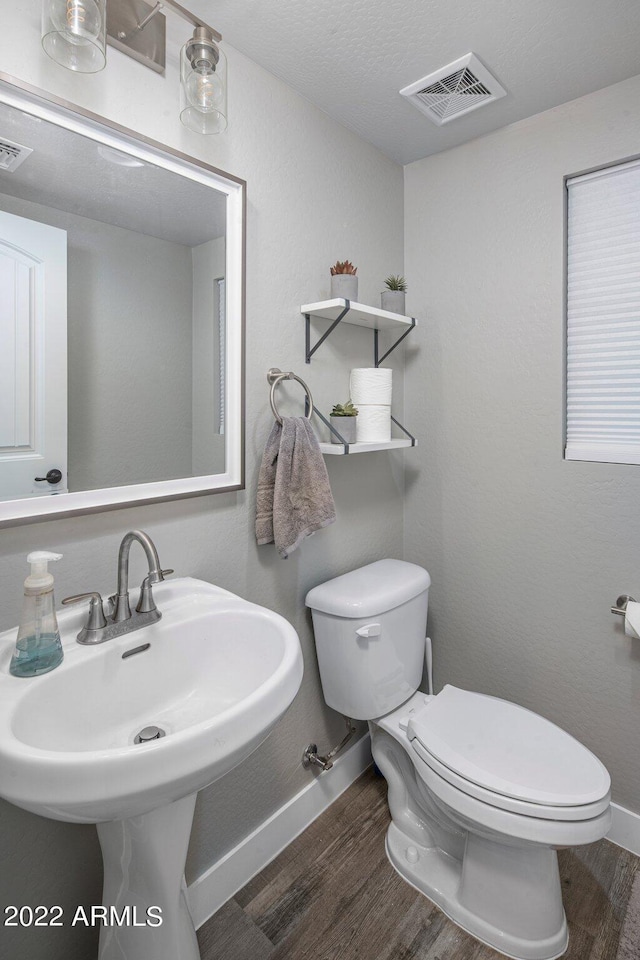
(12, 155)
(456, 89)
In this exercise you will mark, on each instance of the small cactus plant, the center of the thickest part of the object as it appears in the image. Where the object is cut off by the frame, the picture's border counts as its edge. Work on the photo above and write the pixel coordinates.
(343, 266)
(396, 283)
(344, 410)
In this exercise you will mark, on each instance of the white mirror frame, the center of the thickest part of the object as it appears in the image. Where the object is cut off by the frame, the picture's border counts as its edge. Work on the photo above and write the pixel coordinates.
(47, 107)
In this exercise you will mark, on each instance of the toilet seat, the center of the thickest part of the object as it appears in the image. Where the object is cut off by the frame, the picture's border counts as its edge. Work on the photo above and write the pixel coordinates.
(513, 821)
(508, 757)
(540, 811)
(488, 818)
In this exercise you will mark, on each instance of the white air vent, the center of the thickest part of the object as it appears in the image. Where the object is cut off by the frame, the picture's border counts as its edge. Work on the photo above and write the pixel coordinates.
(454, 90)
(12, 155)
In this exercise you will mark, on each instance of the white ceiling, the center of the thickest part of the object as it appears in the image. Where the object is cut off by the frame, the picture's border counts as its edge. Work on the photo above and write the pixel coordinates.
(351, 57)
(68, 172)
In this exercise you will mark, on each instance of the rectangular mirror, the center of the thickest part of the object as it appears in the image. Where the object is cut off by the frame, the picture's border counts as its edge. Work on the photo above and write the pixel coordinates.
(121, 315)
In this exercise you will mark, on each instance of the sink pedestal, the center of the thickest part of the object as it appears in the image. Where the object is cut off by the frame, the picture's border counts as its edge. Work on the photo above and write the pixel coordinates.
(144, 860)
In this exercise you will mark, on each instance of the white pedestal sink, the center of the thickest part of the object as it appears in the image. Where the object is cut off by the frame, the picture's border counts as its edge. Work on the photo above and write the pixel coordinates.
(215, 674)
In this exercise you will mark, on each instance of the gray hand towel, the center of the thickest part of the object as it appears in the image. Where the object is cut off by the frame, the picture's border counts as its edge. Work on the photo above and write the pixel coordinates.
(294, 497)
(266, 486)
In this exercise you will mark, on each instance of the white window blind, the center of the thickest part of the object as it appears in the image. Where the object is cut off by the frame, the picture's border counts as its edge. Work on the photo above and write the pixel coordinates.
(603, 315)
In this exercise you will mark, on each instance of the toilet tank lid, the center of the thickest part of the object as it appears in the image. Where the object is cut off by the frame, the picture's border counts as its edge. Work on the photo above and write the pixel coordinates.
(369, 590)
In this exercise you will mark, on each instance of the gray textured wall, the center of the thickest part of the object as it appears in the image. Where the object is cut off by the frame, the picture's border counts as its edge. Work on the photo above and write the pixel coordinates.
(129, 296)
(315, 193)
(527, 552)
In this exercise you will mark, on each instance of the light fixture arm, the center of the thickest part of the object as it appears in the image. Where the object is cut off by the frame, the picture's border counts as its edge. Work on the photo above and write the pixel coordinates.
(125, 36)
(190, 17)
(149, 17)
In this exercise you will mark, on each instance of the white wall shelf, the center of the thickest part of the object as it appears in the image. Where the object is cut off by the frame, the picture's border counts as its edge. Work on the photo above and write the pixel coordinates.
(361, 315)
(337, 449)
(348, 311)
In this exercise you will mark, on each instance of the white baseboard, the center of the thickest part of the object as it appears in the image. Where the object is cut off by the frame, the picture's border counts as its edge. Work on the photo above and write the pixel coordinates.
(625, 829)
(229, 874)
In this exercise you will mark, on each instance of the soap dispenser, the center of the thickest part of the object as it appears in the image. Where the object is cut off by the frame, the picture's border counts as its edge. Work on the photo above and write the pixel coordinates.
(38, 647)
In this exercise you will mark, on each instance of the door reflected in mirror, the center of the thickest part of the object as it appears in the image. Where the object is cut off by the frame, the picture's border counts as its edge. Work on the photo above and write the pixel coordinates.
(120, 365)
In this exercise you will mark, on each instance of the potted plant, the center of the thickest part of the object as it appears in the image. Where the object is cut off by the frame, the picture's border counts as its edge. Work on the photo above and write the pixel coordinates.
(344, 282)
(343, 419)
(393, 297)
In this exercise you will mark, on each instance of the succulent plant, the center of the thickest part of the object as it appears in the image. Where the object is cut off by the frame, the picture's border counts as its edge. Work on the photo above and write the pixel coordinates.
(396, 283)
(343, 266)
(344, 410)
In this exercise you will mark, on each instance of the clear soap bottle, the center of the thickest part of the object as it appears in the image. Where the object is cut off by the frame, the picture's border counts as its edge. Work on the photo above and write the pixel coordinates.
(38, 646)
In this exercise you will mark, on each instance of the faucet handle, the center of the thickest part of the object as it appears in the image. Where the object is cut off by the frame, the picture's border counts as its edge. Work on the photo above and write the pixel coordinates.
(146, 603)
(97, 619)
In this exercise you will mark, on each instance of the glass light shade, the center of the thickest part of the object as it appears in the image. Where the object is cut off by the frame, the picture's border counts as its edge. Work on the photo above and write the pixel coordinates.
(203, 94)
(74, 33)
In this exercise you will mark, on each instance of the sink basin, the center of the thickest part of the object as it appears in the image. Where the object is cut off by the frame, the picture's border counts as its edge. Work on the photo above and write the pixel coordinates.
(216, 676)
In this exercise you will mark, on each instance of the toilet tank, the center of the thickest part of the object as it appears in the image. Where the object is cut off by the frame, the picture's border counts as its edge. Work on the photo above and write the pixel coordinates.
(370, 628)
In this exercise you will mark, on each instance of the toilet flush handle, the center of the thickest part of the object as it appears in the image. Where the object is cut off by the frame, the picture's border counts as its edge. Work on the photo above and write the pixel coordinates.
(369, 630)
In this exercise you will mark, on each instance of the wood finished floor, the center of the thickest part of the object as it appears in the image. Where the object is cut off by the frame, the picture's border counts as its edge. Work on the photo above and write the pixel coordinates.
(332, 895)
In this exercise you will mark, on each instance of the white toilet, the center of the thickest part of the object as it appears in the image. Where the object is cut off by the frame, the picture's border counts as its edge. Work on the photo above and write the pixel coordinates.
(481, 791)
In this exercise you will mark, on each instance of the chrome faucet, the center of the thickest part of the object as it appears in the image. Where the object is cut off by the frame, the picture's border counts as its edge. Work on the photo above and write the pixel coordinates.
(146, 604)
(121, 620)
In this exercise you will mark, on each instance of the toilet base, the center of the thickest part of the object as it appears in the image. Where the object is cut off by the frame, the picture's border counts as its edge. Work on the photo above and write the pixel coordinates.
(457, 886)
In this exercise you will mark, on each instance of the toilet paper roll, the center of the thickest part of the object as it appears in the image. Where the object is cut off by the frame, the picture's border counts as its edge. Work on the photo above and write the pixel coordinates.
(371, 385)
(373, 423)
(631, 617)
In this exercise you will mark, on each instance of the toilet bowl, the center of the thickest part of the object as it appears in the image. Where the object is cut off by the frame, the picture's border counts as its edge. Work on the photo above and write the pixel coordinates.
(482, 792)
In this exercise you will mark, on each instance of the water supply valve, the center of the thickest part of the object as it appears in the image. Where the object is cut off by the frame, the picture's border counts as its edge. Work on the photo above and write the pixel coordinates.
(311, 757)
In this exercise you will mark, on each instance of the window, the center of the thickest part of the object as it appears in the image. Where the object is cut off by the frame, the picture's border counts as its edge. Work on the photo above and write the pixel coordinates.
(603, 315)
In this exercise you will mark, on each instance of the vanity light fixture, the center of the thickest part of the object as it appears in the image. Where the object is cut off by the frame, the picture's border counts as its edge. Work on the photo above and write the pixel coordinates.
(75, 33)
(203, 76)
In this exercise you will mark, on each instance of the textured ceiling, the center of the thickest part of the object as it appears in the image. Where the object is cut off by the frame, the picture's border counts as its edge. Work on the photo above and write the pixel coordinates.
(67, 171)
(351, 57)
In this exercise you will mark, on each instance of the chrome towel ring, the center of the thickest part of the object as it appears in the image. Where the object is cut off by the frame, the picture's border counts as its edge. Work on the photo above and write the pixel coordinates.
(274, 376)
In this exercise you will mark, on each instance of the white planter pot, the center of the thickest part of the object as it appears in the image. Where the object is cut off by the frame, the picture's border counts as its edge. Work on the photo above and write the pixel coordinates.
(393, 300)
(345, 286)
(346, 427)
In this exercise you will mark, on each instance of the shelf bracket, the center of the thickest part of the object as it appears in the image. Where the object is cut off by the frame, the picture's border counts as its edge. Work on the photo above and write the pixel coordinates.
(404, 430)
(309, 350)
(334, 431)
(378, 359)
(344, 442)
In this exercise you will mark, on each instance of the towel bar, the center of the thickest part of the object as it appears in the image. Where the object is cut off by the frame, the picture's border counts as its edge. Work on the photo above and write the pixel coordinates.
(274, 376)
